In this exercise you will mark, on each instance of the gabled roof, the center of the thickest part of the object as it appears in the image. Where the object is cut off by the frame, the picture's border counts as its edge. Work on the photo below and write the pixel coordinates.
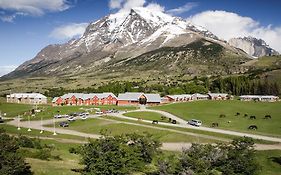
(134, 96)
(258, 96)
(197, 95)
(88, 96)
(55, 99)
(181, 96)
(217, 94)
(27, 95)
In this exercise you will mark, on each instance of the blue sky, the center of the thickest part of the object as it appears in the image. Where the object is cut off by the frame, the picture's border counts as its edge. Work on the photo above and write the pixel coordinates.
(26, 26)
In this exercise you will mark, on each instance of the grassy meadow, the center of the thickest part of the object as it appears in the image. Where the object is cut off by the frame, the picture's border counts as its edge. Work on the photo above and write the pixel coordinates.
(210, 111)
(147, 116)
(114, 127)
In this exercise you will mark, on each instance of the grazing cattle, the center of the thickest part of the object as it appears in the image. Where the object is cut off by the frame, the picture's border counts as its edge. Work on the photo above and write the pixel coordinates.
(253, 127)
(237, 113)
(170, 119)
(155, 122)
(222, 116)
(245, 115)
(174, 122)
(252, 117)
(215, 125)
(267, 117)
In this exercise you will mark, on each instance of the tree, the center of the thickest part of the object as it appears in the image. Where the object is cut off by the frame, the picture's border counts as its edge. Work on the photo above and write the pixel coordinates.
(236, 158)
(118, 155)
(240, 158)
(11, 162)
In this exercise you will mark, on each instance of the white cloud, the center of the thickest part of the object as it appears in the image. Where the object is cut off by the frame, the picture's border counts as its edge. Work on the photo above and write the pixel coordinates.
(155, 7)
(7, 69)
(69, 31)
(187, 7)
(126, 4)
(227, 25)
(31, 7)
(115, 4)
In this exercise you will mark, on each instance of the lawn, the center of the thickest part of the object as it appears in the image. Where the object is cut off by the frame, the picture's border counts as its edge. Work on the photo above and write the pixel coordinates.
(13, 110)
(95, 126)
(36, 133)
(147, 116)
(210, 111)
(201, 132)
(62, 167)
(268, 165)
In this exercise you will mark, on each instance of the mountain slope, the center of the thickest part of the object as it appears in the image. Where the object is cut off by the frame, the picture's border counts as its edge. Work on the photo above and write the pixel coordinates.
(124, 35)
(253, 46)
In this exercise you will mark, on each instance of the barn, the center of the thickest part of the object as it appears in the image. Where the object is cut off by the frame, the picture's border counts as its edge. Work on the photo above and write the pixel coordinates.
(138, 98)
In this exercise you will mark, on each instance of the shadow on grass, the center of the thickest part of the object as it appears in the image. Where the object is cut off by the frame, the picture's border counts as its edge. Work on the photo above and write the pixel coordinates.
(276, 160)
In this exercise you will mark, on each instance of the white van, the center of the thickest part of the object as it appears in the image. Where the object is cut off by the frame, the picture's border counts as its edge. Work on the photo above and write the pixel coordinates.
(194, 122)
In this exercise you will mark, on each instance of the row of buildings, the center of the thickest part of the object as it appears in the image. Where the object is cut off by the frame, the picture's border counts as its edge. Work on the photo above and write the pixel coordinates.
(27, 98)
(128, 98)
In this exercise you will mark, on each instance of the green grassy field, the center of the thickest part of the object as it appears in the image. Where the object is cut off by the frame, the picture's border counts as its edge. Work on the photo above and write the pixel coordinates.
(266, 160)
(36, 133)
(205, 133)
(13, 110)
(210, 111)
(95, 126)
(51, 167)
(147, 116)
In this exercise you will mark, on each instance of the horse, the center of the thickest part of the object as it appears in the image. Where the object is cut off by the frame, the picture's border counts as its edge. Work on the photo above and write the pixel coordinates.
(215, 125)
(267, 117)
(253, 117)
(222, 116)
(155, 122)
(253, 127)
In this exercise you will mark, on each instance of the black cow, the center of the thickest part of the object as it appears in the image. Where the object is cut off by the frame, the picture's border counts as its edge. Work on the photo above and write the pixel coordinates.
(267, 117)
(215, 125)
(253, 117)
(253, 127)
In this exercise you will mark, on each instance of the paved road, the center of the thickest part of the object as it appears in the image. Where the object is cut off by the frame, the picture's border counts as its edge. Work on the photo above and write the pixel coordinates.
(183, 124)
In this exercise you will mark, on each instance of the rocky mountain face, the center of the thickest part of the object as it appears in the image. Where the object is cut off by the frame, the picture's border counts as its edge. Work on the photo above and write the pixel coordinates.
(253, 46)
(124, 37)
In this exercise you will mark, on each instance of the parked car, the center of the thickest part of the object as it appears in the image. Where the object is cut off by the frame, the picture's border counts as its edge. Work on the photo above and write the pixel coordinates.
(57, 116)
(65, 116)
(71, 119)
(86, 113)
(195, 122)
(99, 112)
(84, 117)
(64, 124)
